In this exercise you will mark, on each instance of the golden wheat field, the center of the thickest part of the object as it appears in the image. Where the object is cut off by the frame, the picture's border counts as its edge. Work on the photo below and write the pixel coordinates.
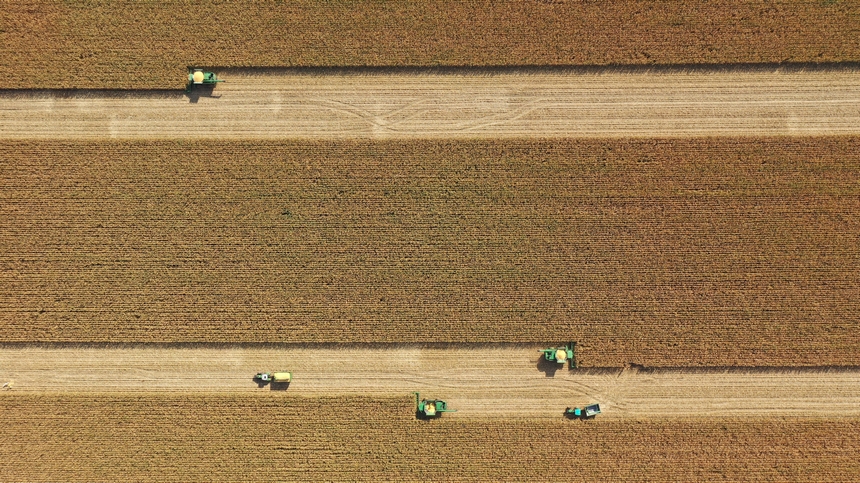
(398, 196)
(134, 45)
(729, 251)
(282, 437)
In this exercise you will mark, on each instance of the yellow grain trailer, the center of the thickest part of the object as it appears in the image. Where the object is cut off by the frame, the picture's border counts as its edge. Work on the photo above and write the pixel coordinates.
(277, 377)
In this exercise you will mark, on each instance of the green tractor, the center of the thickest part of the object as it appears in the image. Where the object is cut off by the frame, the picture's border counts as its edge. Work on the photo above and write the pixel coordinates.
(587, 412)
(561, 354)
(198, 77)
(430, 408)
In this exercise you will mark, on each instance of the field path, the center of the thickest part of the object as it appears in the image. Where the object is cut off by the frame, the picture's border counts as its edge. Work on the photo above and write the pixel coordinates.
(478, 381)
(452, 105)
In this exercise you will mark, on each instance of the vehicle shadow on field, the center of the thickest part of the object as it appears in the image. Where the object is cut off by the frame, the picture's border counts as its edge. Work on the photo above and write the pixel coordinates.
(90, 94)
(274, 386)
(279, 386)
(196, 92)
(549, 367)
(531, 69)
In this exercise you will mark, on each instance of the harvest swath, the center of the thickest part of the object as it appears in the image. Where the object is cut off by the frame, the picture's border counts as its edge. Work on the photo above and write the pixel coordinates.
(283, 438)
(142, 45)
(661, 252)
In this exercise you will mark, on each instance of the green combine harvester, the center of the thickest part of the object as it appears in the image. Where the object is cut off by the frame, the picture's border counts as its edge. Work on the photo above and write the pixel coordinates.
(587, 412)
(430, 408)
(198, 77)
(561, 354)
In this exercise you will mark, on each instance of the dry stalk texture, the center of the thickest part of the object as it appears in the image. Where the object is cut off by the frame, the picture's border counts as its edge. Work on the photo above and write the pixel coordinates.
(660, 252)
(284, 438)
(136, 45)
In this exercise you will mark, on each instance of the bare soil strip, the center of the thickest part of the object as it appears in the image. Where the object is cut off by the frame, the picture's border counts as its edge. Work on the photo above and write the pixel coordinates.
(479, 382)
(552, 104)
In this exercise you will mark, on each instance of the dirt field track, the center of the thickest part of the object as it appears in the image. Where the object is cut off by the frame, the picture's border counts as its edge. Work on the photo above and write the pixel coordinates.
(472, 379)
(492, 105)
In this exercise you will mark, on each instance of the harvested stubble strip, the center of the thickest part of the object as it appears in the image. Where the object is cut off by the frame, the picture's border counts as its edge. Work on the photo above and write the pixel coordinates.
(147, 45)
(661, 252)
(275, 437)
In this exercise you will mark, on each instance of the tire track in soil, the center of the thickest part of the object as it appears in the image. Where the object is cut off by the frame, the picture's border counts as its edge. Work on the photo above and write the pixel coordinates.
(453, 105)
(499, 381)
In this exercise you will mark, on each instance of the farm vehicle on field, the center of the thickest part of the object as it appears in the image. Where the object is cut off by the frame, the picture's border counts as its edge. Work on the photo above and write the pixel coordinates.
(561, 355)
(196, 77)
(587, 412)
(274, 377)
(430, 408)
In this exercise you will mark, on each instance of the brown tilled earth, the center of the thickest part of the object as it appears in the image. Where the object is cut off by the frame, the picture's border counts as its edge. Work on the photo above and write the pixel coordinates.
(461, 104)
(711, 252)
